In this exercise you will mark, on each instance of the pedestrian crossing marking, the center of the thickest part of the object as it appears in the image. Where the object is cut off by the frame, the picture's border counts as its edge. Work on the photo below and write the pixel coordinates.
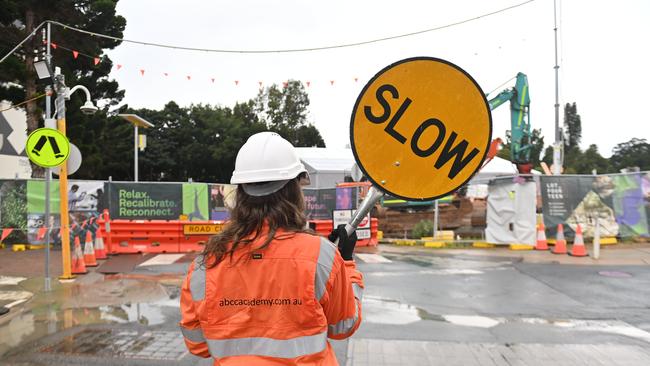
(373, 258)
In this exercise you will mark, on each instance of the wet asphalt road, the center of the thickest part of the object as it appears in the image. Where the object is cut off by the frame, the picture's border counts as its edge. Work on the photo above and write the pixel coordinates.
(419, 299)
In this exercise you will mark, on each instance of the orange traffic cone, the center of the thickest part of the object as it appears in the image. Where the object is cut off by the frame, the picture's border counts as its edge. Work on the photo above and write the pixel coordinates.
(542, 244)
(560, 242)
(578, 249)
(100, 251)
(89, 251)
(78, 265)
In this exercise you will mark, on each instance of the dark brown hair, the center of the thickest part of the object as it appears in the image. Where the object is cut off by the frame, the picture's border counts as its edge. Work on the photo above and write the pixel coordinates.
(283, 209)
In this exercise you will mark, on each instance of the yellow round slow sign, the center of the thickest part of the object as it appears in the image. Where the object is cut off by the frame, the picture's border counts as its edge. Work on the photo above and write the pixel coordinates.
(47, 147)
(420, 128)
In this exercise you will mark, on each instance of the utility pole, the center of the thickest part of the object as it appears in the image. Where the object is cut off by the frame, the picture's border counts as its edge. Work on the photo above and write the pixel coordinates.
(48, 171)
(557, 145)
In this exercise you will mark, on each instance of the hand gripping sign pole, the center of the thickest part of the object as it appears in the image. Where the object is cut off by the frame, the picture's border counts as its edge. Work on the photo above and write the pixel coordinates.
(420, 129)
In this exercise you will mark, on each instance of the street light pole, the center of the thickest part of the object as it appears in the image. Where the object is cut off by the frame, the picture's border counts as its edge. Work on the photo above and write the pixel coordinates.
(136, 121)
(61, 91)
(135, 152)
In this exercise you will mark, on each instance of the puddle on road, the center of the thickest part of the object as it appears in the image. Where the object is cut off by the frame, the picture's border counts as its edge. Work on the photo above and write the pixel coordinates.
(447, 262)
(115, 301)
(387, 311)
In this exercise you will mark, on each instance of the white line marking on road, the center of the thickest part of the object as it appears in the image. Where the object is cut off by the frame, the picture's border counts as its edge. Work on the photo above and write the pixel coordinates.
(15, 295)
(373, 258)
(6, 280)
(162, 259)
(437, 272)
(12, 304)
(604, 326)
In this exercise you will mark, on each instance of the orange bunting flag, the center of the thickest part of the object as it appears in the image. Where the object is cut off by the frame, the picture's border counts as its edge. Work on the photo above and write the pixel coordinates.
(75, 54)
(356, 79)
(53, 45)
(308, 83)
(5, 234)
(189, 77)
(236, 82)
(96, 59)
(41, 233)
(142, 72)
(119, 66)
(331, 82)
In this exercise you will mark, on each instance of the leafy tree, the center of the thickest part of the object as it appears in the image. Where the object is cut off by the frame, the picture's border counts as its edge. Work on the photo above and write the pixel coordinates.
(590, 160)
(284, 110)
(634, 153)
(18, 80)
(572, 126)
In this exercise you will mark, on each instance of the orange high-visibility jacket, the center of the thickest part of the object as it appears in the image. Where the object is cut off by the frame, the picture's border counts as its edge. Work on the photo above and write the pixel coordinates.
(274, 306)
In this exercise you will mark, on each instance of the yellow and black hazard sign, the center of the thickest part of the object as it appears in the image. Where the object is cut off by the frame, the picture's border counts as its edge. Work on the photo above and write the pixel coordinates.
(201, 229)
(420, 128)
(47, 147)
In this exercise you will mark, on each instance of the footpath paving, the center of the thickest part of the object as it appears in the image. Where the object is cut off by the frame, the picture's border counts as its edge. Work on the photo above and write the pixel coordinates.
(610, 255)
(378, 352)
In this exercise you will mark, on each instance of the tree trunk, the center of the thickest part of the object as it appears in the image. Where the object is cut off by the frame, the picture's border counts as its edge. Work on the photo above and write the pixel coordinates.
(30, 86)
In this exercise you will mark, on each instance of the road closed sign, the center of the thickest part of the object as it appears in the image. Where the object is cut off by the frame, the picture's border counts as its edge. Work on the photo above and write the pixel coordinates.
(420, 128)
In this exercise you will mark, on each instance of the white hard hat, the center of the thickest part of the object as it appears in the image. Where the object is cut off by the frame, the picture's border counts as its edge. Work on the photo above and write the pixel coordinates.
(266, 157)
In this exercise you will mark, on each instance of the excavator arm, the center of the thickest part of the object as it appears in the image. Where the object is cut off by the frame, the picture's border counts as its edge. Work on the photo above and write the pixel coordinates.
(520, 132)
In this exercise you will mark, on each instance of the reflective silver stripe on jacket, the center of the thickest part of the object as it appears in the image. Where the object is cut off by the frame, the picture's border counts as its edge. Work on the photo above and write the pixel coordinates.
(194, 335)
(269, 347)
(344, 325)
(358, 291)
(197, 280)
(324, 267)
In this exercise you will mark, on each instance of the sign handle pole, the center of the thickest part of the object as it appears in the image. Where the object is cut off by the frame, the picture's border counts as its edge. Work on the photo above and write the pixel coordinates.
(373, 196)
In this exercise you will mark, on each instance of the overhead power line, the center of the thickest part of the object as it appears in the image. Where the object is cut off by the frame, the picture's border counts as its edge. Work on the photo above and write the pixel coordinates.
(308, 49)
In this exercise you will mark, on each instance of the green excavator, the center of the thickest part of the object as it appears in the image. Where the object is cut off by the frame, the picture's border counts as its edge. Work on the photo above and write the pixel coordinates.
(520, 134)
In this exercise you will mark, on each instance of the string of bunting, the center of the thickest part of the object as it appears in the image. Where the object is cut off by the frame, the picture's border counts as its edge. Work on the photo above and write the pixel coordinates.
(42, 231)
(189, 77)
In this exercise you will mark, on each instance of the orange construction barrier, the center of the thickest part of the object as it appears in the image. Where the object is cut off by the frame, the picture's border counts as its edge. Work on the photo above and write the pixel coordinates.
(542, 244)
(100, 250)
(144, 236)
(89, 251)
(579, 249)
(560, 242)
(78, 265)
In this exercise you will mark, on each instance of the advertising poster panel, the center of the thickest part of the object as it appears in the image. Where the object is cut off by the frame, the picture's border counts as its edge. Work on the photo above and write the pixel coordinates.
(621, 202)
(319, 203)
(159, 201)
(222, 198)
(195, 201)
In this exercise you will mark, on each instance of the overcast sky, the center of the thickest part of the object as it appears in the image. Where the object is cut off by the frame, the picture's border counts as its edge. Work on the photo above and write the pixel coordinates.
(603, 46)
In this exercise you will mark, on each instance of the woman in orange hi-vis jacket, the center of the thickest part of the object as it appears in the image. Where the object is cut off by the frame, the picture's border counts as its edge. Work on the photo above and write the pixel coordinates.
(265, 291)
